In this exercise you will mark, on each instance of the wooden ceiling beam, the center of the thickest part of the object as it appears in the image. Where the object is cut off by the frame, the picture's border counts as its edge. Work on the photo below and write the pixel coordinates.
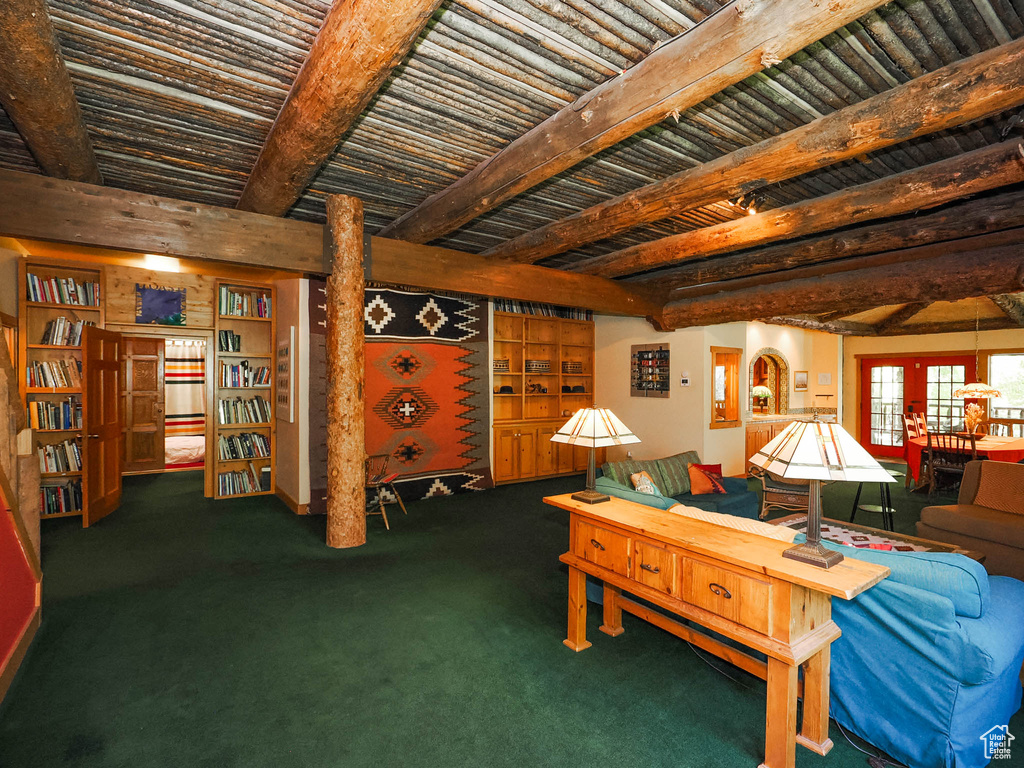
(926, 187)
(825, 326)
(948, 277)
(359, 44)
(36, 93)
(946, 326)
(975, 217)
(900, 316)
(1012, 306)
(740, 40)
(971, 89)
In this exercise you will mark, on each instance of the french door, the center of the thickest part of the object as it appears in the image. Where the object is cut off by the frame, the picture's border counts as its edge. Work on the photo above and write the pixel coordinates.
(893, 386)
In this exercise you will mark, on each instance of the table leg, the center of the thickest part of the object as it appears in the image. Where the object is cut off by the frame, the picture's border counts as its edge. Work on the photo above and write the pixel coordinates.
(856, 501)
(612, 611)
(780, 717)
(814, 728)
(577, 639)
(887, 511)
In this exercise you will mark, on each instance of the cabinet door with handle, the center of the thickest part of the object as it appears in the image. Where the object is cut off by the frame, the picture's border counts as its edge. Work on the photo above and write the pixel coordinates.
(655, 567)
(547, 452)
(527, 451)
(506, 453)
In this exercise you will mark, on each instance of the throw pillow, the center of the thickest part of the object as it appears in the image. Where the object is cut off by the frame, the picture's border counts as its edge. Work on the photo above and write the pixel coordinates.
(643, 483)
(1001, 487)
(674, 473)
(705, 478)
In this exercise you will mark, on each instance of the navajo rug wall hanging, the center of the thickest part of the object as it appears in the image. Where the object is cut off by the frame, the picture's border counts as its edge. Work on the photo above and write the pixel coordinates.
(427, 404)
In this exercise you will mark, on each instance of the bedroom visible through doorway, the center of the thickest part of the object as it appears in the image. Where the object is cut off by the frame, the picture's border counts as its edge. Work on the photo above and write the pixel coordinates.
(185, 397)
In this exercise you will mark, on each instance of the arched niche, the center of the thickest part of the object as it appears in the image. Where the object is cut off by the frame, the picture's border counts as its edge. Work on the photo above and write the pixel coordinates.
(772, 369)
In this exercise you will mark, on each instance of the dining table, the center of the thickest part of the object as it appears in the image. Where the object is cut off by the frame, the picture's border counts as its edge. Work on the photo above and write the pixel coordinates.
(988, 446)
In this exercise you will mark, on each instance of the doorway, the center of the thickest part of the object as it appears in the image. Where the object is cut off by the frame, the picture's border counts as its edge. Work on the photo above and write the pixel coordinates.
(165, 403)
(892, 386)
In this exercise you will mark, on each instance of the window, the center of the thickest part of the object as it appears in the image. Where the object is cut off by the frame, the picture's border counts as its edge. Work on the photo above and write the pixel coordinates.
(725, 387)
(944, 412)
(1006, 373)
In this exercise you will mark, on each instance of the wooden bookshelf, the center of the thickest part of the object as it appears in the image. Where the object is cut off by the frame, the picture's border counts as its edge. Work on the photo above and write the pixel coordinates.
(255, 330)
(34, 316)
(550, 372)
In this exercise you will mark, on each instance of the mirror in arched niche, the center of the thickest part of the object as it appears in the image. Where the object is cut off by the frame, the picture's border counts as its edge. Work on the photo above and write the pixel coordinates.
(769, 368)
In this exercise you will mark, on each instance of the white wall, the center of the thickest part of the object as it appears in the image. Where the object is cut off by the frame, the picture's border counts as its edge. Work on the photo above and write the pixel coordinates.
(725, 446)
(293, 437)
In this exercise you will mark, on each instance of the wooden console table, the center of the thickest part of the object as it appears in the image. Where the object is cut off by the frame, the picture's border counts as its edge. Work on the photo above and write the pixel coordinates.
(733, 582)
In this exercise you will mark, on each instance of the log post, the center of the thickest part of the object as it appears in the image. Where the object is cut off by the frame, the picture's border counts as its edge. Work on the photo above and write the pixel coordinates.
(346, 444)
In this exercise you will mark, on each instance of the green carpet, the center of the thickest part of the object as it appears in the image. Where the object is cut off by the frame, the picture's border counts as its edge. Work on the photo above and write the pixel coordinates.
(182, 632)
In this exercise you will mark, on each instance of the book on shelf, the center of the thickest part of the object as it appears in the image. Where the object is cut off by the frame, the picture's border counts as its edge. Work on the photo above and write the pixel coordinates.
(245, 445)
(60, 457)
(255, 410)
(229, 341)
(58, 499)
(62, 332)
(244, 375)
(514, 306)
(65, 374)
(239, 481)
(241, 303)
(62, 290)
(46, 414)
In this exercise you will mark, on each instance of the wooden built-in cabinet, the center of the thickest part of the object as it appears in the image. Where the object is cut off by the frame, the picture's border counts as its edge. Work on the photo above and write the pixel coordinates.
(56, 300)
(245, 444)
(543, 373)
(760, 433)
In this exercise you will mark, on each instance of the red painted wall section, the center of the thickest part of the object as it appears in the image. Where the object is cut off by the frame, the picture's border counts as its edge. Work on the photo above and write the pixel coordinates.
(17, 587)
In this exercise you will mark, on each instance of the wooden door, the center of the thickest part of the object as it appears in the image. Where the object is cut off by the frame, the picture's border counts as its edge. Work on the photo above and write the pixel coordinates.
(527, 452)
(143, 403)
(547, 453)
(101, 422)
(506, 450)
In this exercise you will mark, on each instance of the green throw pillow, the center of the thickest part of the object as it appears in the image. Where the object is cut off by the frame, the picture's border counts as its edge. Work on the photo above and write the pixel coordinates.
(674, 473)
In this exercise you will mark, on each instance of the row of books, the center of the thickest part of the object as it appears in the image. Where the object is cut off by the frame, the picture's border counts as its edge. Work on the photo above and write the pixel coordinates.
(243, 481)
(245, 445)
(54, 373)
(243, 304)
(63, 332)
(229, 341)
(64, 414)
(63, 290)
(57, 499)
(60, 457)
(256, 410)
(244, 375)
(544, 310)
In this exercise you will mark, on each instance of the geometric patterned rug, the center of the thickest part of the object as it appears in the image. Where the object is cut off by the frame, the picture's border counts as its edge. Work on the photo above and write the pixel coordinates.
(427, 399)
(839, 534)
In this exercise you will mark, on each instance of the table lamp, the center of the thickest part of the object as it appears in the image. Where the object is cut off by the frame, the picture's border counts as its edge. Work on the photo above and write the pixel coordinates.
(815, 451)
(593, 428)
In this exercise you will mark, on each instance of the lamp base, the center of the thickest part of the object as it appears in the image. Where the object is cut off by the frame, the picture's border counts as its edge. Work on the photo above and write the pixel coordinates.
(814, 554)
(591, 497)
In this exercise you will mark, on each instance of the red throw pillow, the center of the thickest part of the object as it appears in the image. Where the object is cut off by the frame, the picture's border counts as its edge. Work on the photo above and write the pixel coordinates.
(705, 478)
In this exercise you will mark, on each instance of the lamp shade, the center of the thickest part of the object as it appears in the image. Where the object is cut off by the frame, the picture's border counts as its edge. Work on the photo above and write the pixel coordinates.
(812, 450)
(594, 428)
(977, 391)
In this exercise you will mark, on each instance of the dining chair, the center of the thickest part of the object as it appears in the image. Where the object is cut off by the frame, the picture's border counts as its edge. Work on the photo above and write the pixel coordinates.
(776, 493)
(948, 454)
(914, 426)
(998, 428)
(379, 479)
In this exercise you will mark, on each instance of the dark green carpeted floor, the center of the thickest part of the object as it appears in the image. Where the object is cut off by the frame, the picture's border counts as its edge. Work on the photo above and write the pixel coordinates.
(179, 632)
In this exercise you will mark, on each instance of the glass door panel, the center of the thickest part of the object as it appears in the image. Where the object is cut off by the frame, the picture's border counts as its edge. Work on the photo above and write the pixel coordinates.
(887, 405)
(943, 412)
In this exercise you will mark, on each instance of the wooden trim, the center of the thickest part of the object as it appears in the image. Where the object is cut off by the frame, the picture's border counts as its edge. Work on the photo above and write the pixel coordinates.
(732, 388)
(737, 41)
(10, 666)
(292, 504)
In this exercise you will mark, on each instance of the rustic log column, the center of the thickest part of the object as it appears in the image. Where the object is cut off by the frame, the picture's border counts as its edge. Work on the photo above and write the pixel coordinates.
(346, 445)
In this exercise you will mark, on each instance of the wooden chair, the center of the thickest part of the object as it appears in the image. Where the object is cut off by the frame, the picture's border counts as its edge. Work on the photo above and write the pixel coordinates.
(998, 428)
(776, 493)
(914, 426)
(948, 454)
(379, 479)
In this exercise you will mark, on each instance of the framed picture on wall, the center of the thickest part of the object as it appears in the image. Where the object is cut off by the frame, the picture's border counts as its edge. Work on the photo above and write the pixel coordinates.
(285, 370)
(799, 381)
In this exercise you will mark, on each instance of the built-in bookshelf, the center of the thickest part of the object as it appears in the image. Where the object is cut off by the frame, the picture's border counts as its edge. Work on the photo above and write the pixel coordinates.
(57, 301)
(244, 431)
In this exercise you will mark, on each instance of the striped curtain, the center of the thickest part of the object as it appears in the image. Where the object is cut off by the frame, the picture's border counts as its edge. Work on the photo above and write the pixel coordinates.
(185, 390)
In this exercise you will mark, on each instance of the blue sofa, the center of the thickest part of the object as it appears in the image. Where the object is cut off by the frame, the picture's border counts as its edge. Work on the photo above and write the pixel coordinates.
(669, 474)
(930, 659)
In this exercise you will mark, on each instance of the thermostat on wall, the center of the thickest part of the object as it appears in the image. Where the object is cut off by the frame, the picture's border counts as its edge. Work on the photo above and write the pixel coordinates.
(684, 380)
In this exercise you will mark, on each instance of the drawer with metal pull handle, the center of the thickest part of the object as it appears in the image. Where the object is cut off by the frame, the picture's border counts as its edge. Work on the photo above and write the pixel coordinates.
(603, 547)
(732, 593)
(657, 567)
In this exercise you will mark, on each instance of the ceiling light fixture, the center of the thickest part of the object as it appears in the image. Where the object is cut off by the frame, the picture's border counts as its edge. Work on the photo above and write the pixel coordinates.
(977, 390)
